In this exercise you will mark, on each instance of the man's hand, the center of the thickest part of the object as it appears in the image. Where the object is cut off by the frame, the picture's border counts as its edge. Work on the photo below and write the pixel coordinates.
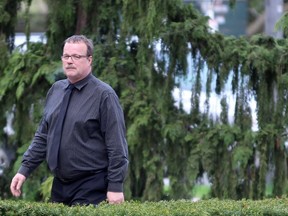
(115, 197)
(16, 184)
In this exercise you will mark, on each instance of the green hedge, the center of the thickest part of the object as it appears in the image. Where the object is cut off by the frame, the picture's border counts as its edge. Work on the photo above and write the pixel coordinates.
(132, 208)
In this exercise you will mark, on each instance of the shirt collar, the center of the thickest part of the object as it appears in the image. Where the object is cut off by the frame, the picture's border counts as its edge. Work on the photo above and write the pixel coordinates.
(80, 84)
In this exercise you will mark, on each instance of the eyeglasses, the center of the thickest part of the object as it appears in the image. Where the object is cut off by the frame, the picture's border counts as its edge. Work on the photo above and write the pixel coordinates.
(73, 57)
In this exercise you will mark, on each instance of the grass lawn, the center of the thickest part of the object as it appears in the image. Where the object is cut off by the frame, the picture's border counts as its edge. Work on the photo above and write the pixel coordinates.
(201, 191)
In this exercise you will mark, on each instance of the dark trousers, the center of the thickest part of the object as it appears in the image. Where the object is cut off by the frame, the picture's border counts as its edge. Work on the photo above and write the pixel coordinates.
(91, 189)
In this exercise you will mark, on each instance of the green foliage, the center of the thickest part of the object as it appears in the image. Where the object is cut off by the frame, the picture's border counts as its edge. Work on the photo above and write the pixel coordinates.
(182, 207)
(46, 187)
(8, 20)
(282, 24)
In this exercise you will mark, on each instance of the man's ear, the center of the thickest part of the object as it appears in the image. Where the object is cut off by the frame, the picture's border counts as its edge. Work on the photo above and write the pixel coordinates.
(90, 59)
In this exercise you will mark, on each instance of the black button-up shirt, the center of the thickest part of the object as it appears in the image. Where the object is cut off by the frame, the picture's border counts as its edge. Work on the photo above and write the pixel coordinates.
(93, 137)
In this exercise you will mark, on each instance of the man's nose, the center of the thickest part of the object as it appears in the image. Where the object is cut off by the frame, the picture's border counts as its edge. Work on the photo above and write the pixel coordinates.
(70, 60)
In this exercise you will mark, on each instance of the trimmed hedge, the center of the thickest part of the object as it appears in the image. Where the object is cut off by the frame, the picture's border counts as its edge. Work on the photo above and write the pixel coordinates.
(164, 208)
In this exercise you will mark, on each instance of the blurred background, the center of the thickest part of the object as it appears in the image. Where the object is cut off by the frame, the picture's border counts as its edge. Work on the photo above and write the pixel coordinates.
(246, 17)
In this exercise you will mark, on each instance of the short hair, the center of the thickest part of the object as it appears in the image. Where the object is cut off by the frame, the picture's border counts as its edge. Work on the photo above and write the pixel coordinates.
(84, 39)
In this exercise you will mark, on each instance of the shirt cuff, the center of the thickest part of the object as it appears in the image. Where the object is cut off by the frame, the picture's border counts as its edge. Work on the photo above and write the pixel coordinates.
(115, 186)
(24, 171)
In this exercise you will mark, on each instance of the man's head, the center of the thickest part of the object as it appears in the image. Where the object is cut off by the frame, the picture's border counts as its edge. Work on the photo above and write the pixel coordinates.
(77, 57)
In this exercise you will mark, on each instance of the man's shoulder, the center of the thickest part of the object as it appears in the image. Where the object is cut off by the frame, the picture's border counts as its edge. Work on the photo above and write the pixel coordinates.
(101, 85)
(59, 84)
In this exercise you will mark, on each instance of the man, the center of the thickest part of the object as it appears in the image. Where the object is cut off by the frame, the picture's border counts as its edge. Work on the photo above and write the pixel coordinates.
(92, 160)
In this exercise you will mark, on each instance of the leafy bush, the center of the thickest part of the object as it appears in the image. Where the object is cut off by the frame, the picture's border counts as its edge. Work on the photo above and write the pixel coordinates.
(132, 208)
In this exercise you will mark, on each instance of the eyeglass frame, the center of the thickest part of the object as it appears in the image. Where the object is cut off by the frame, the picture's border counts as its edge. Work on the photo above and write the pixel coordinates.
(74, 57)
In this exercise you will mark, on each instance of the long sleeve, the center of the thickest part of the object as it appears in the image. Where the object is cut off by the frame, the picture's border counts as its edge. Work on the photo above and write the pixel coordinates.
(36, 152)
(113, 128)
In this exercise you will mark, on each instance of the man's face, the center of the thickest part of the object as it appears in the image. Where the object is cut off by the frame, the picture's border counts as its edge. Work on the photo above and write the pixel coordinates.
(78, 66)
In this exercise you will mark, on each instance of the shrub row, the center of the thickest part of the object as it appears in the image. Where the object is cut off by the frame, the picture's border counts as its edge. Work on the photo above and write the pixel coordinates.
(164, 208)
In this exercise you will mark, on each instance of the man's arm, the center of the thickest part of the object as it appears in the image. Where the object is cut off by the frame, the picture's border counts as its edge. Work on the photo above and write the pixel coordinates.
(34, 155)
(113, 126)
